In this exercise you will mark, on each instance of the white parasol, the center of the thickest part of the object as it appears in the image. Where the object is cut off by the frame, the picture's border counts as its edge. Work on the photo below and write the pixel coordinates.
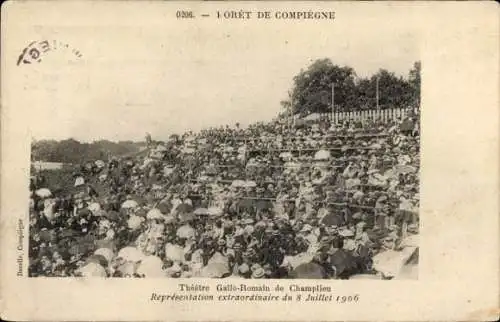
(43, 193)
(154, 214)
(174, 253)
(250, 184)
(214, 211)
(297, 260)
(131, 254)
(215, 270)
(168, 219)
(127, 269)
(128, 204)
(391, 262)
(238, 183)
(92, 270)
(151, 266)
(134, 222)
(322, 155)
(201, 211)
(185, 231)
(106, 252)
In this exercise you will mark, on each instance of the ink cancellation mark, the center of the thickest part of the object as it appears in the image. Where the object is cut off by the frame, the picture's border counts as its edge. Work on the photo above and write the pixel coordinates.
(37, 50)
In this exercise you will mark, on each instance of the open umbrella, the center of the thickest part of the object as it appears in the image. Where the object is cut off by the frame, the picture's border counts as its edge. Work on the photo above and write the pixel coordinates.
(201, 212)
(107, 253)
(215, 270)
(309, 271)
(134, 222)
(168, 170)
(174, 253)
(238, 183)
(390, 262)
(154, 214)
(131, 254)
(185, 231)
(43, 193)
(128, 204)
(322, 155)
(286, 155)
(218, 258)
(250, 184)
(127, 269)
(151, 266)
(98, 259)
(299, 259)
(169, 219)
(92, 270)
(214, 211)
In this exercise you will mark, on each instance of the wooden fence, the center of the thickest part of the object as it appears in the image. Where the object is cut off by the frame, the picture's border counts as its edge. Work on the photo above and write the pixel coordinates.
(387, 114)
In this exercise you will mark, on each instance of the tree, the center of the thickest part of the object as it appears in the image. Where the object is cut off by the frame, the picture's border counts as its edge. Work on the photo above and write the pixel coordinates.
(73, 151)
(393, 90)
(366, 93)
(312, 92)
(414, 80)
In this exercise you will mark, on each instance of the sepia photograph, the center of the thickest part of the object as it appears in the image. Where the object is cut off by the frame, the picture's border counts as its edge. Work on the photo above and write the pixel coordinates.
(249, 160)
(178, 169)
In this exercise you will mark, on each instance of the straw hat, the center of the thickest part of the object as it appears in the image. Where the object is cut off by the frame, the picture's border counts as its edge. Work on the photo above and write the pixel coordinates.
(259, 273)
(255, 267)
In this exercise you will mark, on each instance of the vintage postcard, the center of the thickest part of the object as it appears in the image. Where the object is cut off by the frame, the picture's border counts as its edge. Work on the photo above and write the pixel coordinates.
(226, 161)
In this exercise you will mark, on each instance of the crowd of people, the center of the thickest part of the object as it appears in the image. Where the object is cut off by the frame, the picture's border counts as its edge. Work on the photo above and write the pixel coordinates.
(270, 200)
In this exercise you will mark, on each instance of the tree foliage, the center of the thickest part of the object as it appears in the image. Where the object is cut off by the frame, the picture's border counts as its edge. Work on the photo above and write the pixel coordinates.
(73, 151)
(312, 89)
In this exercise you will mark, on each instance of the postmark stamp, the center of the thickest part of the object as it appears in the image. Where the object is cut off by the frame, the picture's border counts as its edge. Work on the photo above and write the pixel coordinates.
(37, 50)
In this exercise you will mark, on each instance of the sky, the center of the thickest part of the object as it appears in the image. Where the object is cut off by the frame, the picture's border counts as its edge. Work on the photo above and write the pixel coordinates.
(166, 77)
